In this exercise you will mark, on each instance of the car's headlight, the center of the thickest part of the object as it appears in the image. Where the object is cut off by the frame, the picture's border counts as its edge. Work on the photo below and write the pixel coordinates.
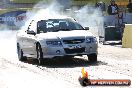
(56, 43)
(91, 40)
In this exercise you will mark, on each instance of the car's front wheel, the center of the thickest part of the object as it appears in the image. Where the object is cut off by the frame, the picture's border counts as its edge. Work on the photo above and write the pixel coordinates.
(39, 54)
(92, 57)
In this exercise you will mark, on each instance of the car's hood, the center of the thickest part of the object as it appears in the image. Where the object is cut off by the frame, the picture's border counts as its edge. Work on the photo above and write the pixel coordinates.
(65, 34)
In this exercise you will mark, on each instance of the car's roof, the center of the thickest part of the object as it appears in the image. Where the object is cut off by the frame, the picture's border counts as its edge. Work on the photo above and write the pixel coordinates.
(60, 17)
(34, 19)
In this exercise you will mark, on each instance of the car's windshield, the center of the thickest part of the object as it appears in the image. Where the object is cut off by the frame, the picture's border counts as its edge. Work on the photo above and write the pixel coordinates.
(53, 25)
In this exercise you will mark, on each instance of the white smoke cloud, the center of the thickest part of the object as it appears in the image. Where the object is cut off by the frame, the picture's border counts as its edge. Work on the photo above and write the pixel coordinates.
(8, 44)
(44, 11)
(87, 16)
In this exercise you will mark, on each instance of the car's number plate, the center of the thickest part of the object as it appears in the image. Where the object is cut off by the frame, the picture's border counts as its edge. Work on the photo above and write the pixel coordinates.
(74, 46)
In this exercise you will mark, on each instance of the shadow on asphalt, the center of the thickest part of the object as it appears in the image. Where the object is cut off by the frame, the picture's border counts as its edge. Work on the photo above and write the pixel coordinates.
(66, 63)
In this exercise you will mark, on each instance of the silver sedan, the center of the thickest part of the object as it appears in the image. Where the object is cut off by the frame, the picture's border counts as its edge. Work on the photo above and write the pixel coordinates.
(50, 38)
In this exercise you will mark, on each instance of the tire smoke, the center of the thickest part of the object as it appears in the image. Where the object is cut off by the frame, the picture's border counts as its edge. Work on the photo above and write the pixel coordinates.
(88, 16)
(8, 44)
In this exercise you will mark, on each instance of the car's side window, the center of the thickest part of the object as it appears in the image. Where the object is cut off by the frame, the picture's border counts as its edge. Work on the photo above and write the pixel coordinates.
(31, 28)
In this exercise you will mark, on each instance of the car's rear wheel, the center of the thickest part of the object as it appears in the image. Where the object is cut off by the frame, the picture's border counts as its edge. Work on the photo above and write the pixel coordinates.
(40, 55)
(92, 58)
(20, 53)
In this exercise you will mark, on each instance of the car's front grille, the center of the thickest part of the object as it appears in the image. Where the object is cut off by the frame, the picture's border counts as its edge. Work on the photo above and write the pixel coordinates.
(72, 51)
(74, 41)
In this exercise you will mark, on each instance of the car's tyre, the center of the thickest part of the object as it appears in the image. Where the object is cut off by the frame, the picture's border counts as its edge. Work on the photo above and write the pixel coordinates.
(40, 55)
(92, 58)
(20, 54)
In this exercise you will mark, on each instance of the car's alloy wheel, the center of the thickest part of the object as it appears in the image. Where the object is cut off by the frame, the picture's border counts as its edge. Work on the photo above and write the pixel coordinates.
(92, 57)
(40, 55)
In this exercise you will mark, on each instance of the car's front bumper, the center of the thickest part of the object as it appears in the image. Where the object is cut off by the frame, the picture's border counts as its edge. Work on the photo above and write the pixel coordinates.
(85, 49)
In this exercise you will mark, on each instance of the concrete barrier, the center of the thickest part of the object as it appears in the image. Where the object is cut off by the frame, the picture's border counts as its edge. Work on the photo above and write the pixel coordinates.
(127, 36)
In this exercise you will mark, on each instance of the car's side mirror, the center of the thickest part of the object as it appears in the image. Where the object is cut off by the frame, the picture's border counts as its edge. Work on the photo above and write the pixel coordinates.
(86, 28)
(31, 32)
